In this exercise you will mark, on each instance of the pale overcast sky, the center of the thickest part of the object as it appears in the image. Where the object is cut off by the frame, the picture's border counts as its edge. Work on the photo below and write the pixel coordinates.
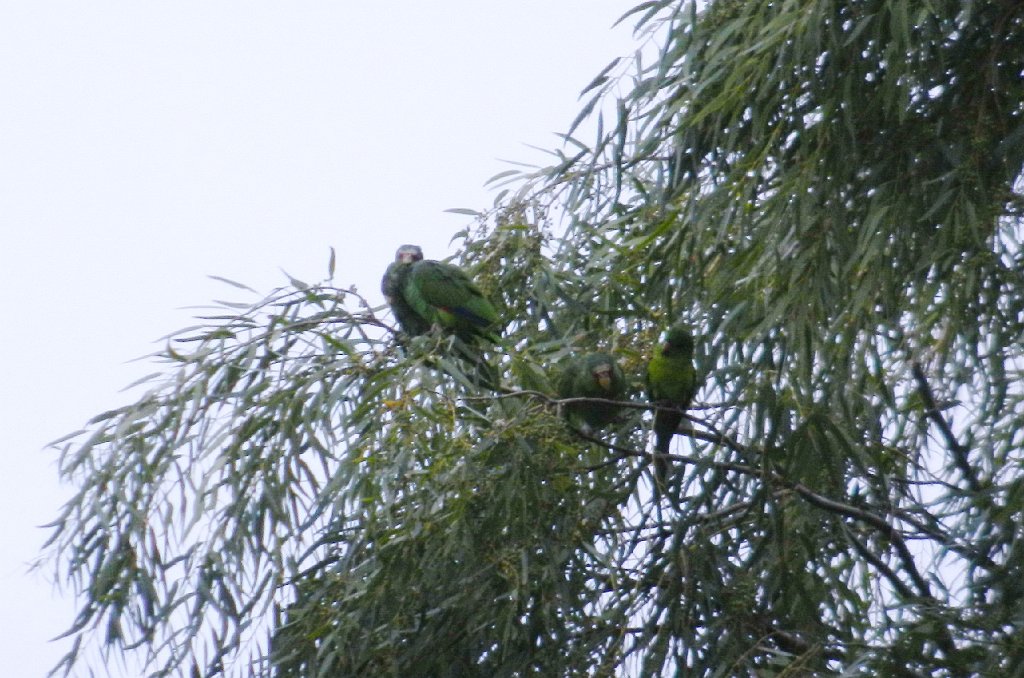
(146, 145)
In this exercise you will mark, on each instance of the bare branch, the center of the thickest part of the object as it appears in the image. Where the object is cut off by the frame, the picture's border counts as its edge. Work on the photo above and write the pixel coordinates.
(958, 451)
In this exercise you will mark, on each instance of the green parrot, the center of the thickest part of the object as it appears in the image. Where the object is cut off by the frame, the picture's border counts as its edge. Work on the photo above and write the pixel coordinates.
(594, 375)
(671, 382)
(395, 278)
(423, 293)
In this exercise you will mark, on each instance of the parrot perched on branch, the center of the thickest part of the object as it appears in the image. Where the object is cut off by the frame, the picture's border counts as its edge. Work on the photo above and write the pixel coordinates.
(393, 285)
(594, 375)
(671, 383)
(423, 293)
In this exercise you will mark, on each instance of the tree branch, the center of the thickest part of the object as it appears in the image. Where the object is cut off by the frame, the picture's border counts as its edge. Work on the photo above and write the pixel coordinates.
(958, 451)
(867, 554)
(875, 521)
(831, 505)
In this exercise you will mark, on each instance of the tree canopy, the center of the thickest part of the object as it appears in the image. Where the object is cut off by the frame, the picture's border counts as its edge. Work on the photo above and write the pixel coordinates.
(830, 192)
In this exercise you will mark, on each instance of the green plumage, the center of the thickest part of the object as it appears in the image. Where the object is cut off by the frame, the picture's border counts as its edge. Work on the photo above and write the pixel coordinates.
(423, 293)
(672, 383)
(594, 375)
(444, 294)
(392, 285)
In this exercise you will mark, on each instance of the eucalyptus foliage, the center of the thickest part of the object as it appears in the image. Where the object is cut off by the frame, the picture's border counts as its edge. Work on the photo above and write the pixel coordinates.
(831, 192)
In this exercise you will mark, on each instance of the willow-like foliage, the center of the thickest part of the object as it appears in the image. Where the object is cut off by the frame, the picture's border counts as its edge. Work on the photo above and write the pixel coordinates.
(830, 192)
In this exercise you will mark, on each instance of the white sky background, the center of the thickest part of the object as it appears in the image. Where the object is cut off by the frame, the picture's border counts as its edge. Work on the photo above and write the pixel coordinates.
(145, 145)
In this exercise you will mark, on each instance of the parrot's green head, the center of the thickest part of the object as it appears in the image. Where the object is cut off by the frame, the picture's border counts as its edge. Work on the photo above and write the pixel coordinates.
(677, 340)
(407, 254)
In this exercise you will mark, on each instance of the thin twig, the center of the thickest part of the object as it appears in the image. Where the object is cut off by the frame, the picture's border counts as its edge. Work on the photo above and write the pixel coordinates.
(880, 565)
(958, 451)
(506, 392)
(976, 557)
(876, 521)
